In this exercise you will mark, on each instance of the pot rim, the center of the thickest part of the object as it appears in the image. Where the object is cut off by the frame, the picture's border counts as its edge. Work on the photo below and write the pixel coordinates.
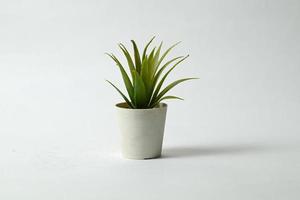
(124, 106)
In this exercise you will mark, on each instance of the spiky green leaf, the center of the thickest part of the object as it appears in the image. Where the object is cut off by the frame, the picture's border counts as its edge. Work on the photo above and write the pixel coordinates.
(167, 97)
(140, 96)
(156, 57)
(129, 60)
(157, 75)
(123, 95)
(151, 65)
(169, 87)
(170, 97)
(126, 79)
(146, 47)
(166, 53)
(137, 58)
(154, 97)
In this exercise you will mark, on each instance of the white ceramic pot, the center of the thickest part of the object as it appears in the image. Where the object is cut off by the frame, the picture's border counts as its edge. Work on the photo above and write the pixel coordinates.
(142, 131)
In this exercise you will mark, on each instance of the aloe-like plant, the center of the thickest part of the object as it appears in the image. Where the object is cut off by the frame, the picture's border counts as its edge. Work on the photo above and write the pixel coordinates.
(144, 88)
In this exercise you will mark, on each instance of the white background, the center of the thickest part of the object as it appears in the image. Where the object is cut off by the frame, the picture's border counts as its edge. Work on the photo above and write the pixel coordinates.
(236, 136)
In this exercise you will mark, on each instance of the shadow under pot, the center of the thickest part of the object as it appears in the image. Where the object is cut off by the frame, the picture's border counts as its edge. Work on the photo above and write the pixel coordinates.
(142, 131)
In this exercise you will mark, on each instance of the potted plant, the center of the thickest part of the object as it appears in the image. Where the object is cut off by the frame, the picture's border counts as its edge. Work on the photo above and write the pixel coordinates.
(142, 116)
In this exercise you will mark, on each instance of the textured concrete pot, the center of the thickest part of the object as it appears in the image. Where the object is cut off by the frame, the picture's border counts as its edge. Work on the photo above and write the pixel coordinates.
(142, 131)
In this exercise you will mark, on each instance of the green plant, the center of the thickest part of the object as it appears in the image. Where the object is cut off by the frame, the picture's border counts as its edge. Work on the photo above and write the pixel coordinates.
(144, 88)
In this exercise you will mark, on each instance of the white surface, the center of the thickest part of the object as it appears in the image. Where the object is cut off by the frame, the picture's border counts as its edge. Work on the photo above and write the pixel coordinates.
(58, 134)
